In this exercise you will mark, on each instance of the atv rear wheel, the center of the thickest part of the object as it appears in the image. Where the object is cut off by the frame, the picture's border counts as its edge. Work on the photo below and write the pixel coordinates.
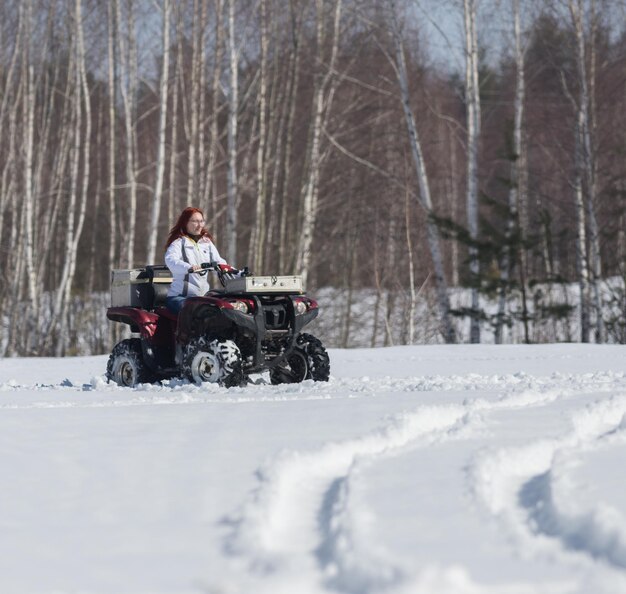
(309, 360)
(215, 361)
(125, 366)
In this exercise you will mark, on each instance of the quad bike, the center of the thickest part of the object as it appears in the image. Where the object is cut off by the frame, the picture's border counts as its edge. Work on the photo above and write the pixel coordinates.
(251, 326)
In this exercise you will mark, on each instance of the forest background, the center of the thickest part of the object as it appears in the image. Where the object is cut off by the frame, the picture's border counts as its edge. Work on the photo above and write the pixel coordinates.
(437, 171)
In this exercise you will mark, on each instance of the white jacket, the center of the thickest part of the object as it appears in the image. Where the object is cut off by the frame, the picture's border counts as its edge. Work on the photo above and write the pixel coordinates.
(181, 255)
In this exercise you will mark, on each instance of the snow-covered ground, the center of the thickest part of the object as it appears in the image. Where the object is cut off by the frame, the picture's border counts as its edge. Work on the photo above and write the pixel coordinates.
(415, 470)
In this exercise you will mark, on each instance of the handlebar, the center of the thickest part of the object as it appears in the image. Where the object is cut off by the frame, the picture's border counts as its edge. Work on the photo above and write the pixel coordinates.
(215, 267)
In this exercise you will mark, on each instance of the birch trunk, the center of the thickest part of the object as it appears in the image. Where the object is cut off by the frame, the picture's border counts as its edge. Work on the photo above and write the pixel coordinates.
(96, 239)
(581, 237)
(278, 116)
(111, 44)
(82, 92)
(11, 293)
(10, 98)
(15, 325)
(389, 291)
(425, 199)
(201, 161)
(173, 202)
(321, 102)
(57, 329)
(412, 293)
(351, 237)
(128, 88)
(59, 174)
(45, 101)
(472, 109)
(194, 101)
(160, 165)
(61, 157)
(588, 165)
(50, 84)
(454, 202)
(210, 184)
(259, 229)
(233, 108)
(294, 79)
(8, 180)
(376, 268)
(28, 123)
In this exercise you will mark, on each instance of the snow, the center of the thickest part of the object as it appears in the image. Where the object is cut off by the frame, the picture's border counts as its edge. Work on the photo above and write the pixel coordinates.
(415, 470)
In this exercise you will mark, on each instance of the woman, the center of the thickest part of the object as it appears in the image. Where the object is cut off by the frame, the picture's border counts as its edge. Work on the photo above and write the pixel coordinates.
(188, 246)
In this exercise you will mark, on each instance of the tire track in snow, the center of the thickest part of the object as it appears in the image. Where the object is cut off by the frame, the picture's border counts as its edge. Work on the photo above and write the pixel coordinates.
(291, 528)
(300, 530)
(12, 394)
(529, 490)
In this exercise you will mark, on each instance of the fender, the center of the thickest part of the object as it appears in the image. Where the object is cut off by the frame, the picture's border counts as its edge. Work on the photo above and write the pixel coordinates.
(139, 320)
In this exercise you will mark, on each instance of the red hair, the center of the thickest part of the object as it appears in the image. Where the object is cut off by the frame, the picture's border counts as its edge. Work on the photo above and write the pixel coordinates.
(180, 228)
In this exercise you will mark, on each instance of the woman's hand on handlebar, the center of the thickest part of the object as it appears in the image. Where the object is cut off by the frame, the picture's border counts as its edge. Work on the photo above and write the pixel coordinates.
(203, 268)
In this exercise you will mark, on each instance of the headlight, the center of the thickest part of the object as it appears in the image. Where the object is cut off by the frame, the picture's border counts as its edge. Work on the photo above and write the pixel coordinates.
(301, 307)
(241, 306)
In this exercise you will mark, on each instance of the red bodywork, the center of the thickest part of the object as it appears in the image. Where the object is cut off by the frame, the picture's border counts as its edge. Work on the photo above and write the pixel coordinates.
(159, 327)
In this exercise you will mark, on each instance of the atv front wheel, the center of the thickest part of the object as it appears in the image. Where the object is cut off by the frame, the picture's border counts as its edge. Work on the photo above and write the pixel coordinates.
(309, 360)
(215, 361)
(125, 366)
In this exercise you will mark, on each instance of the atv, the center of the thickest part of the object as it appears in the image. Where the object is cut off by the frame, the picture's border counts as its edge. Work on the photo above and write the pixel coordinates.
(252, 325)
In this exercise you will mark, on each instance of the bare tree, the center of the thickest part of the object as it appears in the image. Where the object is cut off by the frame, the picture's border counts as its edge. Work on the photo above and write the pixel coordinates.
(173, 202)
(7, 112)
(473, 121)
(259, 230)
(587, 161)
(128, 88)
(111, 46)
(78, 195)
(197, 54)
(322, 100)
(28, 117)
(424, 195)
(160, 164)
(293, 80)
(210, 182)
(233, 108)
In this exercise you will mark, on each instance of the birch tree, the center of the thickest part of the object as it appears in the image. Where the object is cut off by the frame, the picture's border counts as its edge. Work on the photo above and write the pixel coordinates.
(259, 230)
(160, 163)
(128, 89)
(233, 108)
(194, 98)
(200, 192)
(210, 183)
(292, 96)
(424, 195)
(278, 110)
(172, 204)
(28, 123)
(581, 235)
(322, 100)
(473, 122)
(111, 77)
(78, 193)
(586, 161)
